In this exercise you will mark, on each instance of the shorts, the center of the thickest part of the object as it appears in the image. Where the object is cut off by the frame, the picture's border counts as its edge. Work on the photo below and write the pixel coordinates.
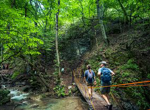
(105, 90)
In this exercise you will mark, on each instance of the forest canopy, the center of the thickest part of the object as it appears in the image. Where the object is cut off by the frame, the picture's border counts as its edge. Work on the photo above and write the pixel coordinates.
(28, 26)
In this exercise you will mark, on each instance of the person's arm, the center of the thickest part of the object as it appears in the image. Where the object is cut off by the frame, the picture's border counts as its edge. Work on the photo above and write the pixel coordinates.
(93, 75)
(99, 72)
(84, 79)
(112, 73)
(94, 78)
(85, 76)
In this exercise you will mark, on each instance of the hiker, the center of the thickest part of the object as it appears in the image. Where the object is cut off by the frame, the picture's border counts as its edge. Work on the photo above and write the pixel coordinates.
(105, 77)
(89, 77)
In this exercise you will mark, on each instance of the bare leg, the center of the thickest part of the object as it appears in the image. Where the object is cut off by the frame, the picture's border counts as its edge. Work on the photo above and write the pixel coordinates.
(91, 91)
(106, 99)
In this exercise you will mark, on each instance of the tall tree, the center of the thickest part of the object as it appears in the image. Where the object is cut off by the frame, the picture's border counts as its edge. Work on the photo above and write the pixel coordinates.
(82, 12)
(100, 18)
(56, 40)
(124, 12)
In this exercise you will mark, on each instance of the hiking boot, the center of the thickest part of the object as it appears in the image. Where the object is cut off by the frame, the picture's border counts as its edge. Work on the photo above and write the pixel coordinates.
(109, 107)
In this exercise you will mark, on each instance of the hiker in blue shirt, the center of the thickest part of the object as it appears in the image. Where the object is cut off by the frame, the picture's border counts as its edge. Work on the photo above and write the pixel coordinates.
(89, 77)
(105, 75)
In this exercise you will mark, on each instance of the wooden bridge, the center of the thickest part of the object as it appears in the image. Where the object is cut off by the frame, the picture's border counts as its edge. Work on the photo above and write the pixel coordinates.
(97, 102)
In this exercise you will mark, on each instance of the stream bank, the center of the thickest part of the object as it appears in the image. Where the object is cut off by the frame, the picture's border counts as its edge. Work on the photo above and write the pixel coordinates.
(29, 101)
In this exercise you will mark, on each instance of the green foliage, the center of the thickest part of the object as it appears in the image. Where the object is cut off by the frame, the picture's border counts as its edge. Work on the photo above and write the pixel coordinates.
(148, 76)
(138, 92)
(130, 65)
(94, 62)
(29, 30)
(59, 90)
(35, 83)
(97, 84)
(128, 72)
(70, 92)
(15, 74)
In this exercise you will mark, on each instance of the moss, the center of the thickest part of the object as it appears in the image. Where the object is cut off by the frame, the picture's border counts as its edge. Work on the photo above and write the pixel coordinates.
(4, 96)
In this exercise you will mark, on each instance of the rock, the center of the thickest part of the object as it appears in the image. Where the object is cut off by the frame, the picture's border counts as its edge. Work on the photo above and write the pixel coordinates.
(34, 106)
(18, 83)
(23, 83)
(69, 87)
(74, 84)
(55, 82)
(62, 83)
(36, 98)
(74, 89)
(24, 103)
(26, 88)
(3, 86)
(4, 98)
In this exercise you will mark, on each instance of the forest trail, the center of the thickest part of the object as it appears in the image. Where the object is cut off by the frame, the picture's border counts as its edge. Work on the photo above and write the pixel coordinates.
(97, 102)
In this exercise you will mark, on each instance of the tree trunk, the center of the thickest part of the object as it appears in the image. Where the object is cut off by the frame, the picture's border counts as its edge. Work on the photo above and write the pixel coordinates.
(26, 9)
(96, 40)
(124, 12)
(82, 12)
(36, 10)
(78, 48)
(13, 3)
(56, 40)
(100, 18)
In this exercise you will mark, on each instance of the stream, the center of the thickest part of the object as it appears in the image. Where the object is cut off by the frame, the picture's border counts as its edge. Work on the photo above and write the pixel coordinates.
(26, 101)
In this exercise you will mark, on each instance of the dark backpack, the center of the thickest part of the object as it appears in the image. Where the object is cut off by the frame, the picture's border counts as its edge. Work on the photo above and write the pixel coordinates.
(106, 75)
(90, 77)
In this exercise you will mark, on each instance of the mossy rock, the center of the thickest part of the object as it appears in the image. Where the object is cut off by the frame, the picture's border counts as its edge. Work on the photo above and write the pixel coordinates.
(74, 89)
(4, 96)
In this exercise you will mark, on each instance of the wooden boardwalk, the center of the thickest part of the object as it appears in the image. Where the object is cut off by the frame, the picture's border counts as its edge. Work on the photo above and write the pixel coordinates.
(97, 102)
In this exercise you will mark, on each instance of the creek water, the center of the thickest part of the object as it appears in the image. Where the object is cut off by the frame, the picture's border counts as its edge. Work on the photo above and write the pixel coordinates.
(70, 103)
(26, 101)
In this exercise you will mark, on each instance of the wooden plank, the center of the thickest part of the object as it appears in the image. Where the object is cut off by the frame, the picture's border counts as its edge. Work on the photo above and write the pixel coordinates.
(97, 103)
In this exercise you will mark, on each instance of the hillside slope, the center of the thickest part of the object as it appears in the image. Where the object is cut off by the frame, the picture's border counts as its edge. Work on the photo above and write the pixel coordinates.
(128, 56)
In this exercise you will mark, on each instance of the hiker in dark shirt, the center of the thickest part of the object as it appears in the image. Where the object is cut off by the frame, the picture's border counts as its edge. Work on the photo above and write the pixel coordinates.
(89, 77)
(105, 74)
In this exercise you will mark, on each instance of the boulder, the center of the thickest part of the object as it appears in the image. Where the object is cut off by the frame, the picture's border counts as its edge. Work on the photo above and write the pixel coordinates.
(4, 96)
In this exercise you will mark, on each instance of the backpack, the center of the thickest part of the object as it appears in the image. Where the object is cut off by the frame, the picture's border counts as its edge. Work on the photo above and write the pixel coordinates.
(90, 77)
(106, 75)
